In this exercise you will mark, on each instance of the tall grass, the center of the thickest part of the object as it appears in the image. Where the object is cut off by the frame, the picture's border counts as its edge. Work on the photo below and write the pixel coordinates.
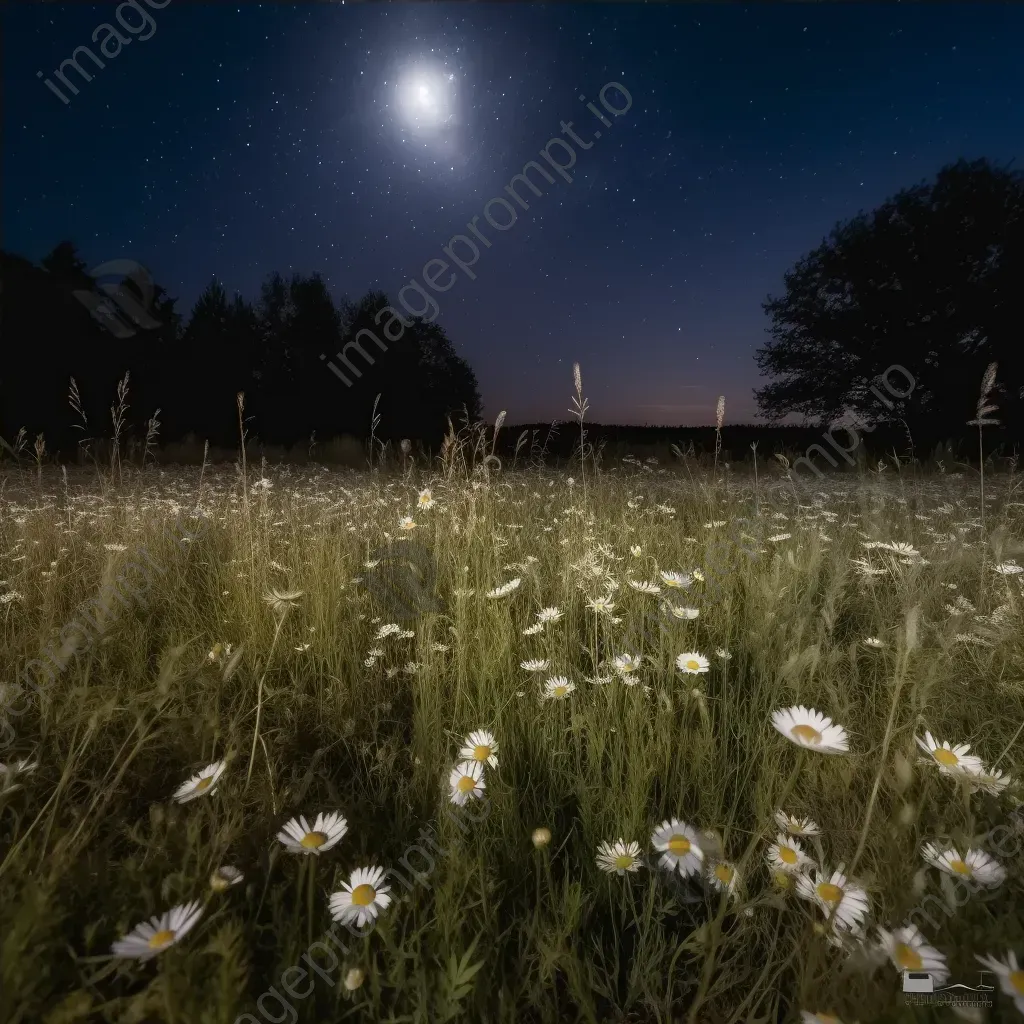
(499, 930)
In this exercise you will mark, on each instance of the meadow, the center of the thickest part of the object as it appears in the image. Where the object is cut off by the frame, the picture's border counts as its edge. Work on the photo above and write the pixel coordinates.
(550, 704)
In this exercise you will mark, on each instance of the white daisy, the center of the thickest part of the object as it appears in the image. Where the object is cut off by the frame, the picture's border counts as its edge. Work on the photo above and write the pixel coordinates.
(679, 846)
(602, 605)
(809, 728)
(481, 746)
(787, 854)
(535, 665)
(1010, 974)
(151, 937)
(224, 877)
(557, 688)
(873, 641)
(549, 614)
(677, 580)
(425, 499)
(465, 782)
(644, 587)
(505, 589)
(626, 664)
(680, 612)
(692, 663)
(993, 782)
(1009, 569)
(955, 761)
(537, 627)
(907, 949)
(723, 876)
(833, 893)
(200, 784)
(283, 600)
(722, 653)
(974, 864)
(797, 826)
(327, 831)
(362, 898)
(407, 524)
(619, 857)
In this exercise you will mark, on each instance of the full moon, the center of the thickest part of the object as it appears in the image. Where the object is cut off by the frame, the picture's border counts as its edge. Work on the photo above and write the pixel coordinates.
(426, 99)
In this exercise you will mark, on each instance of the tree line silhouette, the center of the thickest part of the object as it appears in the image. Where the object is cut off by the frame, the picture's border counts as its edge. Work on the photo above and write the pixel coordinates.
(274, 350)
(929, 281)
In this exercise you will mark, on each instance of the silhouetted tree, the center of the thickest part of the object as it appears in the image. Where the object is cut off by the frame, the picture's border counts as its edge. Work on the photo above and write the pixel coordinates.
(931, 281)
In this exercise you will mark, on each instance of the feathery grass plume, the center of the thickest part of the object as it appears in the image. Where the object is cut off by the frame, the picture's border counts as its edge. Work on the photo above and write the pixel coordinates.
(579, 410)
(982, 420)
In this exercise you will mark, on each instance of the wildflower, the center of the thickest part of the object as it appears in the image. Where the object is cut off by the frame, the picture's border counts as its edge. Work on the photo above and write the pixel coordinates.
(955, 761)
(602, 605)
(481, 746)
(282, 601)
(557, 688)
(1010, 568)
(425, 499)
(809, 728)
(692, 663)
(635, 550)
(202, 783)
(778, 537)
(1010, 974)
(535, 665)
(11, 596)
(327, 831)
(787, 855)
(541, 837)
(975, 865)
(354, 978)
(679, 846)
(907, 949)
(643, 587)
(992, 782)
(626, 664)
(677, 580)
(619, 857)
(466, 781)
(722, 653)
(362, 898)
(699, 576)
(806, 1017)
(723, 876)
(505, 589)
(549, 615)
(224, 877)
(834, 895)
(537, 627)
(873, 641)
(796, 826)
(679, 612)
(151, 937)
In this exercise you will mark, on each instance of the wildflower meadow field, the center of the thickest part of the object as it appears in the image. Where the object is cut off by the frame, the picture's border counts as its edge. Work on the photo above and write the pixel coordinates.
(453, 740)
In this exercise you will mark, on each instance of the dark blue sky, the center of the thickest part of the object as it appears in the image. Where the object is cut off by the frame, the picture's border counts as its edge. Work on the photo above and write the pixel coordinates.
(240, 140)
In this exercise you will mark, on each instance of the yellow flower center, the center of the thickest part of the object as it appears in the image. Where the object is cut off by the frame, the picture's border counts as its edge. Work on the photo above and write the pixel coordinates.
(960, 867)
(1016, 979)
(363, 895)
(204, 784)
(906, 958)
(679, 845)
(161, 939)
(946, 757)
(313, 840)
(787, 855)
(481, 751)
(623, 861)
(829, 893)
(559, 691)
(465, 784)
(693, 664)
(806, 733)
(723, 873)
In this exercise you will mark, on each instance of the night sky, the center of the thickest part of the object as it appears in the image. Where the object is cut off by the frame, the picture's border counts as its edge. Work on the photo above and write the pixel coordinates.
(357, 140)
